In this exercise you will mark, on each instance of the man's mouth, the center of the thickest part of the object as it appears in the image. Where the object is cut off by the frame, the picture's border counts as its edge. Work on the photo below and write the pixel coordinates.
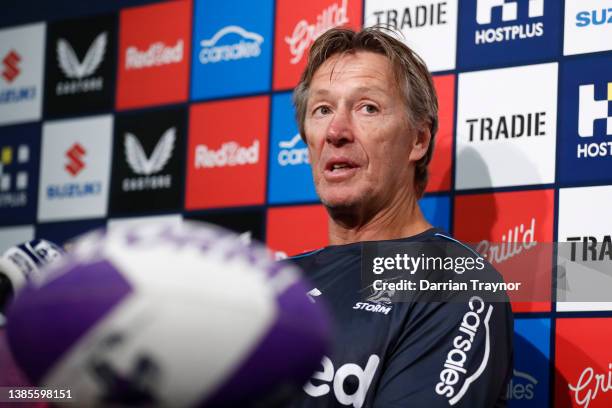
(339, 169)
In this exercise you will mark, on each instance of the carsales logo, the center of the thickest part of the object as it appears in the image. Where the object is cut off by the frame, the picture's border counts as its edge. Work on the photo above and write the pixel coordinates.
(298, 27)
(11, 69)
(290, 155)
(227, 156)
(75, 157)
(154, 42)
(249, 46)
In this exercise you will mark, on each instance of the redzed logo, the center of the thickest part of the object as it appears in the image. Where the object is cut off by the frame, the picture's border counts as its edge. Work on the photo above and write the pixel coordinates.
(299, 24)
(75, 159)
(227, 158)
(154, 45)
(11, 70)
(506, 229)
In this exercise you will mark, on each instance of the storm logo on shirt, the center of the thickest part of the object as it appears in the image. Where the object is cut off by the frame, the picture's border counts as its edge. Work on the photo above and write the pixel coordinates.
(457, 358)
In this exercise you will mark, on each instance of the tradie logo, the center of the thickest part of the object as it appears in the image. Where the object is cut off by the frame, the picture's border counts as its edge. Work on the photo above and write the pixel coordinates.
(304, 33)
(484, 9)
(590, 384)
(521, 386)
(11, 70)
(211, 53)
(157, 54)
(589, 110)
(69, 63)
(75, 159)
(289, 155)
(137, 159)
(512, 243)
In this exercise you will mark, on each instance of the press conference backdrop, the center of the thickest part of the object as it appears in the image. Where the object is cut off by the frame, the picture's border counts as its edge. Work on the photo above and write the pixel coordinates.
(183, 109)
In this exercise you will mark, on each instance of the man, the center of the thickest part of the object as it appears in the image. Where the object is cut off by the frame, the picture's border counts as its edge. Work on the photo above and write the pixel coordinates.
(367, 109)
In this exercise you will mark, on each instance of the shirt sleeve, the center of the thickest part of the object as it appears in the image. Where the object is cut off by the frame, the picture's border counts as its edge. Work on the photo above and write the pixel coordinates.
(453, 354)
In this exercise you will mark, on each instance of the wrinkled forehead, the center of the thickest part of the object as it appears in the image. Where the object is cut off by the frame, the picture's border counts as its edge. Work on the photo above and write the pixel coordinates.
(354, 67)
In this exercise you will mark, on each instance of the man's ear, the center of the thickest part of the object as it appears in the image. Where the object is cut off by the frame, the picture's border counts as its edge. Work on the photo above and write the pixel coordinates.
(420, 144)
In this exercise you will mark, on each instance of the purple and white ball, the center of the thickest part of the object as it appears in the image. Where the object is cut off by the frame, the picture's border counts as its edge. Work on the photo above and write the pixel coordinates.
(175, 315)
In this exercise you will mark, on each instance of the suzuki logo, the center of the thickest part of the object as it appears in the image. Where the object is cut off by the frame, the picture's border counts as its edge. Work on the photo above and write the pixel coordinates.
(590, 110)
(75, 155)
(11, 71)
(484, 9)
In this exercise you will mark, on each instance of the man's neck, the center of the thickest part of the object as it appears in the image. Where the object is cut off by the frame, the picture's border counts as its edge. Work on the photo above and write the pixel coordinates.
(395, 221)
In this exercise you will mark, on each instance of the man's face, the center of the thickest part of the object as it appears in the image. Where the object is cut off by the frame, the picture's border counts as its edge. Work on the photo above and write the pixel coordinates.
(358, 135)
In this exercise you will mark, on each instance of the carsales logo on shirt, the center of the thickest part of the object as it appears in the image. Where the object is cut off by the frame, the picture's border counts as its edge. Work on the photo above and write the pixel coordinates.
(298, 24)
(506, 228)
(227, 158)
(154, 50)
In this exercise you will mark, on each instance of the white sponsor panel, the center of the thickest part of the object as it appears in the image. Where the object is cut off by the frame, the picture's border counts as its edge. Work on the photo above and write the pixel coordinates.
(11, 236)
(506, 127)
(75, 168)
(588, 26)
(584, 220)
(428, 27)
(170, 219)
(22, 57)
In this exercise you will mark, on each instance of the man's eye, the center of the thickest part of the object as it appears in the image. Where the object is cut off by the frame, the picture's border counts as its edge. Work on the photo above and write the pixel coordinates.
(370, 109)
(323, 110)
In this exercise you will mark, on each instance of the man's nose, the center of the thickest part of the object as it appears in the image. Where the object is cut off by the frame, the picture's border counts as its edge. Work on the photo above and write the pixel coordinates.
(340, 130)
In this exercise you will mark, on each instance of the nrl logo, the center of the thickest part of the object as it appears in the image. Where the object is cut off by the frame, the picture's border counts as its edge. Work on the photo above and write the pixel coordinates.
(147, 166)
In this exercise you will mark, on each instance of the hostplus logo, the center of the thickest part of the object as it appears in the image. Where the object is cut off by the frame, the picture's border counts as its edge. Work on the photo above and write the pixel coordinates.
(10, 72)
(290, 154)
(529, 124)
(79, 72)
(305, 32)
(589, 111)
(415, 16)
(228, 155)
(148, 167)
(508, 31)
(249, 46)
(74, 166)
(13, 178)
(157, 54)
(588, 18)
(11, 68)
(521, 387)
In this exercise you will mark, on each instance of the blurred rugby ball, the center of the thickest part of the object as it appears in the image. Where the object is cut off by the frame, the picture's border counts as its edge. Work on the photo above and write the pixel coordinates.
(172, 315)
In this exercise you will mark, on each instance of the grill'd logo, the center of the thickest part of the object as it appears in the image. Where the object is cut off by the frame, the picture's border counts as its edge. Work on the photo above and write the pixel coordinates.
(305, 33)
(75, 159)
(11, 70)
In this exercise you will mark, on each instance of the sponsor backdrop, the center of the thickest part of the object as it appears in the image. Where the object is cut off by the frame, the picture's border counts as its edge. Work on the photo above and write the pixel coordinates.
(182, 110)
